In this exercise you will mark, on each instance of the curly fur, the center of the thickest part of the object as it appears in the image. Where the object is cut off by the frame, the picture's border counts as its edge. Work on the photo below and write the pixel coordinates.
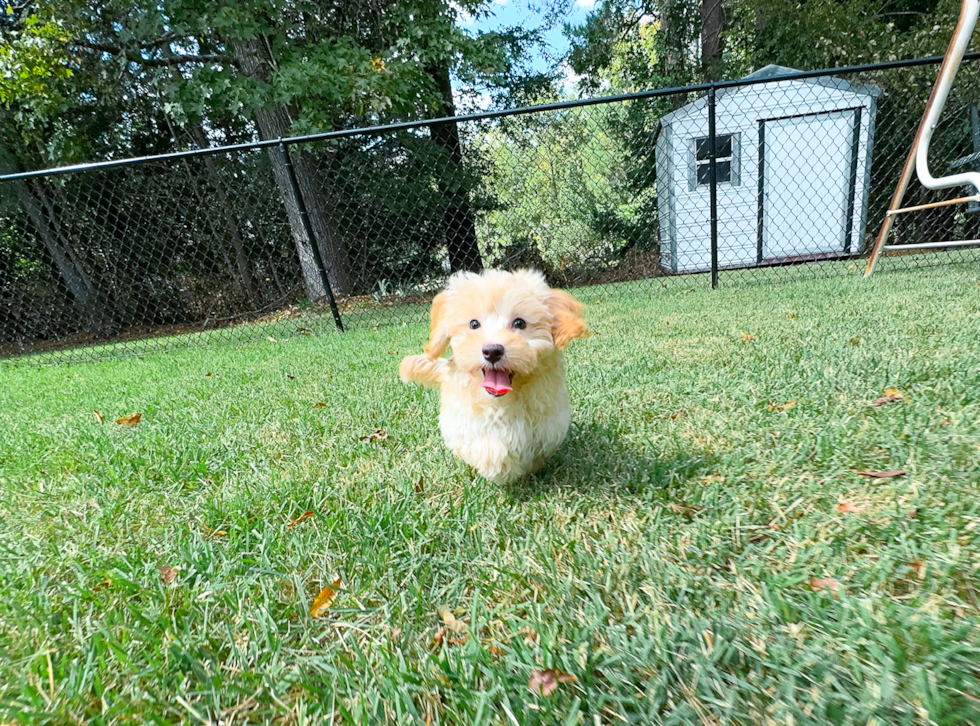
(506, 437)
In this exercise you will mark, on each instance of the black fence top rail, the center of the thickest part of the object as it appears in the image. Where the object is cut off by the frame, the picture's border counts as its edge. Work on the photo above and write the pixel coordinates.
(485, 115)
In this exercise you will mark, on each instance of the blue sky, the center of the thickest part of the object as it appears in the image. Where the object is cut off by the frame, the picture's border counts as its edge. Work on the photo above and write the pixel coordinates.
(526, 13)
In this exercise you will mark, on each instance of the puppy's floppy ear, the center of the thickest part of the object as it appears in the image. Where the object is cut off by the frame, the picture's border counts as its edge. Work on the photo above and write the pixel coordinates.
(566, 318)
(439, 334)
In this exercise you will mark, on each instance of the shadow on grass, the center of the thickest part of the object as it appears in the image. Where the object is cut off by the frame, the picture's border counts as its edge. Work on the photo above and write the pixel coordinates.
(595, 458)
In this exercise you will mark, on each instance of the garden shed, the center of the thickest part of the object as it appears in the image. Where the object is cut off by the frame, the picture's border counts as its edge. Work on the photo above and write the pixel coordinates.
(794, 164)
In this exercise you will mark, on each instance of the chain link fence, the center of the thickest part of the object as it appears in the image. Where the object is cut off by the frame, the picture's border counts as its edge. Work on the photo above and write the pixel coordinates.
(360, 228)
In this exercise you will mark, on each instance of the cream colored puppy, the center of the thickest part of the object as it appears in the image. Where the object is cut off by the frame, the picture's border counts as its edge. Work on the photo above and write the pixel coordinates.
(504, 403)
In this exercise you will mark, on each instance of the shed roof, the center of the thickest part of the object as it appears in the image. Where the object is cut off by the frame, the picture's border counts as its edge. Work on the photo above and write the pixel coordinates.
(776, 71)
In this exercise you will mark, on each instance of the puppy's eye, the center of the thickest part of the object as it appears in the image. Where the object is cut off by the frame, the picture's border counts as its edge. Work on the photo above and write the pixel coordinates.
(519, 323)
(474, 324)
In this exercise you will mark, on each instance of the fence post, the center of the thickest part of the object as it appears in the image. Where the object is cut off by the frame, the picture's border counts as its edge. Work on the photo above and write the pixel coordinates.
(713, 185)
(308, 228)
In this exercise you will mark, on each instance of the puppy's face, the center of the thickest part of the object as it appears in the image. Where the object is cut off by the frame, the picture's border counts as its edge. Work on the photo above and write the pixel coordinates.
(500, 324)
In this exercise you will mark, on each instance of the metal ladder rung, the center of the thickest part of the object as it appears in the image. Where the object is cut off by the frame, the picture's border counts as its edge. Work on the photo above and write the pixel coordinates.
(946, 203)
(933, 245)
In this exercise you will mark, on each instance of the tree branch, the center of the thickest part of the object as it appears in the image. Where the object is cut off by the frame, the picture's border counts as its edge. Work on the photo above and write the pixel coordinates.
(135, 57)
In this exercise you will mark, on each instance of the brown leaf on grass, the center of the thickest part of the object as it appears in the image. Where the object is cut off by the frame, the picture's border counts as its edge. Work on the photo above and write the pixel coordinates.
(419, 486)
(320, 405)
(438, 639)
(914, 514)
(944, 422)
(545, 682)
(99, 417)
(918, 566)
(305, 515)
(530, 635)
(167, 573)
(376, 435)
(819, 584)
(208, 532)
(129, 420)
(208, 374)
(781, 406)
(452, 622)
(325, 599)
(855, 340)
(687, 510)
(102, 585)
(882, 474)
(891, 395)
(747, 336)
(845, 506)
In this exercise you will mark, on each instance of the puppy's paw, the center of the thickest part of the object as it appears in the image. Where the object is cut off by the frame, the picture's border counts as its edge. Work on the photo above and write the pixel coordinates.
(422, 369)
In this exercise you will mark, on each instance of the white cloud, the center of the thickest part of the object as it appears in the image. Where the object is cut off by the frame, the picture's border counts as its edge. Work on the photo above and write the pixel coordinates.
(584, 4)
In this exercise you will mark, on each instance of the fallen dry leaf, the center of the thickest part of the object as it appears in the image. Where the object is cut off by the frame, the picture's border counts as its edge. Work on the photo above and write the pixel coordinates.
(167, 573)
(208, 374)
(300, 518)
(855, 340)
(944, 422)
(882, 474)
(438, 638)
(844, 506)
(918, 567)
(530, 635)
(419, 486)
(99, 417)
(818, 584)
(545, 682)
(320, 405)
(208, 532)
(325, 599)
(452, 622)
(376, 435)
(913, 514)
(129, 420)
(781, 406)
(747, 336)
(102, 585)
(688, 510)
(891, 395)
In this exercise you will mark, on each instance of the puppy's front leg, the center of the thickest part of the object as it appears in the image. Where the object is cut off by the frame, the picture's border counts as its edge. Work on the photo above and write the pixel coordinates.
(423, 370)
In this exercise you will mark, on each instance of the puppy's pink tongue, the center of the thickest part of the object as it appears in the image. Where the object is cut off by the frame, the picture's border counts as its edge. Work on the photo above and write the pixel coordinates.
(496, 382)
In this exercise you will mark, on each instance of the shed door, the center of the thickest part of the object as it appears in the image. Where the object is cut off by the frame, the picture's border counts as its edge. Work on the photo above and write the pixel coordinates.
(806, 184)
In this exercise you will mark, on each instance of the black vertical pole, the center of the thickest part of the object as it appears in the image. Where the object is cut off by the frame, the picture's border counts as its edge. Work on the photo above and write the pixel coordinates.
(713, 184)
(308, 228)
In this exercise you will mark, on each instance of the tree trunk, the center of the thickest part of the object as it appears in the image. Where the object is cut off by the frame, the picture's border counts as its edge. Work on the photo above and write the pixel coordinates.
(274, 123)
(460, 229)
(712, 38)
(230, 217)
(76, 280)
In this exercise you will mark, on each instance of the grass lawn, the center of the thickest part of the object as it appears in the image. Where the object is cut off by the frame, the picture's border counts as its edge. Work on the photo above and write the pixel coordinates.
(671, 558)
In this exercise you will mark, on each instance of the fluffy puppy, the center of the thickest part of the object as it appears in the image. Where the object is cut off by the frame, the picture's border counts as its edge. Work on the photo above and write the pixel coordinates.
(504, 406)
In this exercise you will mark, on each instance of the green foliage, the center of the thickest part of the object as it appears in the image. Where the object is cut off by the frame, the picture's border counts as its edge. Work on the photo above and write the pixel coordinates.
(562, 195)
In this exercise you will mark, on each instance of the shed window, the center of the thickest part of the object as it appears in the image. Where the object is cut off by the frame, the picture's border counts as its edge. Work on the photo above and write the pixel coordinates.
(727, 147)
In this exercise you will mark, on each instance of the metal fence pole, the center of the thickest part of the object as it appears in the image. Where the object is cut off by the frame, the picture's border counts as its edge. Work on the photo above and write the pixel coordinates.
(308, 228)
(713, 185)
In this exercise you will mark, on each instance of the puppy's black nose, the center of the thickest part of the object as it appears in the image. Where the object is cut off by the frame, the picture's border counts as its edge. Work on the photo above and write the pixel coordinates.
(493, 352)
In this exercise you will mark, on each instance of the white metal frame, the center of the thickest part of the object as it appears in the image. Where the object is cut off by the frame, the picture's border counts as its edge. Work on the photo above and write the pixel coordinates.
(919, 154)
